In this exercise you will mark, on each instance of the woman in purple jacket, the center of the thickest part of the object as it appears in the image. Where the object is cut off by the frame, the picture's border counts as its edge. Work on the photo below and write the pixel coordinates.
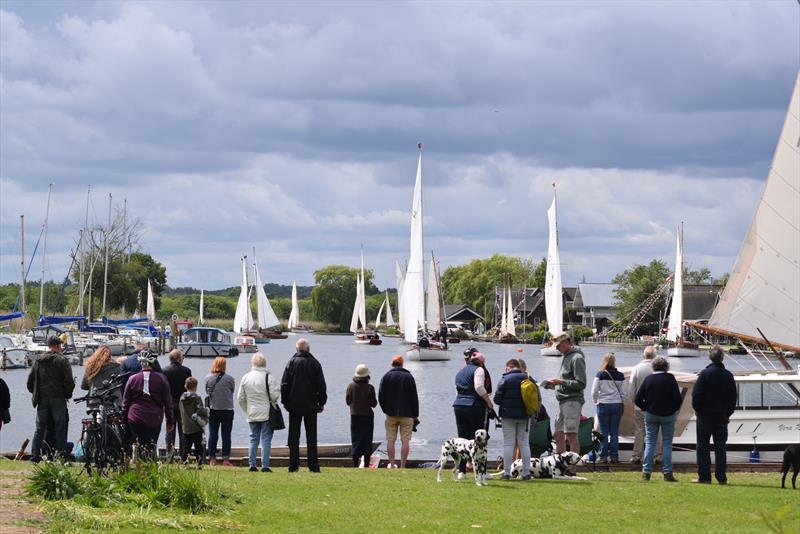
(145, 402)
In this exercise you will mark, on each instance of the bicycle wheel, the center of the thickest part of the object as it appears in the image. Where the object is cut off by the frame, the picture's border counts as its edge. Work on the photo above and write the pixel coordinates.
(92, 443)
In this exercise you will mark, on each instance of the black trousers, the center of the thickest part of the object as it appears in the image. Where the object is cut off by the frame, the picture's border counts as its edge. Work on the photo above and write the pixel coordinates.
(361, 431)
(310, 422)
(193, 440)
(708, 428)
(176, 412)
(468, 420)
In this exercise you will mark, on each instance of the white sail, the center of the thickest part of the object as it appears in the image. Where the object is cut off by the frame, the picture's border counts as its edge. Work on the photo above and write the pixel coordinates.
(433, 316)
(510, 319)
(266, 315)
(243, 319)
(378, 318)
(413, 290)
(151, 302)
(553, 292)
(400, 279)
(389, 318)
(503, 314)
(356, 306)
(764, 288)
(675, 326)
(294, 315)
(201, 307)
(362, 309)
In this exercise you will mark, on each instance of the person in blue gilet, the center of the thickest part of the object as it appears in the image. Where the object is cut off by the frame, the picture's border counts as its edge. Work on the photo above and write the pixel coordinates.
(472, 402)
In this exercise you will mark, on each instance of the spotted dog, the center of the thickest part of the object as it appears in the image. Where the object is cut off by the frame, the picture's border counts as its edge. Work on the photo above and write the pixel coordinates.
(553, 466)
(473, 450)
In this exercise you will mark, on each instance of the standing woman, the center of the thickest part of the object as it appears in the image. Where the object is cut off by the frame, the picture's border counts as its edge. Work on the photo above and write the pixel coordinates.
(219, 400)
(472, 401)
(258, 389)
(659, 397)
(146, 402)
(360, 396)
(608, 394)
(515, 418)
(100, 367)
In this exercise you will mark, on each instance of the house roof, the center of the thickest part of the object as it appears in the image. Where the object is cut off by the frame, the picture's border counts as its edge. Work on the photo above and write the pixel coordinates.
(597, 295)
(451, 311)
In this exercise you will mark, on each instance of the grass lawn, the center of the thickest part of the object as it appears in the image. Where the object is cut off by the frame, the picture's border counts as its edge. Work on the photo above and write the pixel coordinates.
(347, 500)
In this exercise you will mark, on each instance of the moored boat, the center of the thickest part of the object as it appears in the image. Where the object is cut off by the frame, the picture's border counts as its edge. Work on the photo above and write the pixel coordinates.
(207, 342)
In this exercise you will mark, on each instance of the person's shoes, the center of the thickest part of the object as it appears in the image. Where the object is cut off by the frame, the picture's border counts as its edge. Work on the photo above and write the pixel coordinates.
(614, 461)
(212, 462)
(602, 461)
(527, 477)
(722, 482)
(636, 461)
(391, 466)
(314, 470)
(669, 477)
(645, 477)
(253, 469)
(227, 463)
(266, 470)
(504, 477)
(293, 469)
(463, 476)
(700, 481)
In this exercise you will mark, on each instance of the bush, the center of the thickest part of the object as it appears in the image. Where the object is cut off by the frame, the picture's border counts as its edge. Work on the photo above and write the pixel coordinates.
(392, 330)
(579, 332)
(53, 481)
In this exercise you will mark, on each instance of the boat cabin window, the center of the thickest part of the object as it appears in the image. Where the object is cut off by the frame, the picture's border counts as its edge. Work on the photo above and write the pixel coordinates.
(767, 395)
(6, 343)
(215, 336)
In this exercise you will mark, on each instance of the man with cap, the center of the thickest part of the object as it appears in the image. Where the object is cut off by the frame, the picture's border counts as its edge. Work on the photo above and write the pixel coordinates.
(473, 403)
(569, 386)
(51, 383)
(397, 395)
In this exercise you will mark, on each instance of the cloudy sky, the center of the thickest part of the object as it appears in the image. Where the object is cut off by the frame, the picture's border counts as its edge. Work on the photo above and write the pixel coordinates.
(292, 127)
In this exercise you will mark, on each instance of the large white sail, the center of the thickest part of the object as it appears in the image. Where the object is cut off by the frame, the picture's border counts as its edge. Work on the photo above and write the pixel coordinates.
(553, 292)
(433, 317)
(764, 288)
(151, 302)
(503, 313)
(362, 309)
(294, 315)
(202, 319)
(356, 306)
(413, 291)
(243, 319)
(266, 315)
(675, 326)
(378, 318)
(511, 329)
(389, 318)
(400, 278)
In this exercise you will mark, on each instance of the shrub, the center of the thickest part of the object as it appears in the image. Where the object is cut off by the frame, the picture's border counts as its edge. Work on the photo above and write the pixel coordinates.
(579, 332)
(53, 481)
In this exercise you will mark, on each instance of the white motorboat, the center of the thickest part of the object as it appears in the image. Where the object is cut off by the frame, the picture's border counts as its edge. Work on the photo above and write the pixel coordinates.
(13, 353)
(205, 342)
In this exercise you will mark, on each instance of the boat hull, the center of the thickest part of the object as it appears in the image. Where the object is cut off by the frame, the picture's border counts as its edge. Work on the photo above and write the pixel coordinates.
(685, 352)
(418, 354)
(549, 351)
(339, 450)
(13, 358)
(208, 350)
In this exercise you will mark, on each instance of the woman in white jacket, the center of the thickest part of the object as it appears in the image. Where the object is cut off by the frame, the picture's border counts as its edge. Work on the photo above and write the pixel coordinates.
(255, 401)
(608, 393)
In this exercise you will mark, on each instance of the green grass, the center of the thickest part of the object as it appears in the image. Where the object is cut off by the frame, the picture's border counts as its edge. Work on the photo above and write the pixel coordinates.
(349, 500)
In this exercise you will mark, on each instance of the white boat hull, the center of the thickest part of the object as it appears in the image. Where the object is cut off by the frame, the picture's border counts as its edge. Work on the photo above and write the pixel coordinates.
(549, 351)
(685, 352)
(13, 358)
(417, 354)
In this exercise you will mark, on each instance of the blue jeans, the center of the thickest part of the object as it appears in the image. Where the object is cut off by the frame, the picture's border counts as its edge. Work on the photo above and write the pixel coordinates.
(260, 431)
(652, 424)
(217, 418)
(608, 416)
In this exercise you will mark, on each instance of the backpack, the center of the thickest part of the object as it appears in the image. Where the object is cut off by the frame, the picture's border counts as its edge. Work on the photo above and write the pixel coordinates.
(531, 397)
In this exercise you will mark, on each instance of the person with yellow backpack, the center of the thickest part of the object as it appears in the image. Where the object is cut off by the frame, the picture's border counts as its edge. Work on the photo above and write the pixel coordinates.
(511, 393)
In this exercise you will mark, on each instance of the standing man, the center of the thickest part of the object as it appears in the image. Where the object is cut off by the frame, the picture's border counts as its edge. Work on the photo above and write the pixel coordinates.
(569, 388)
(176, 374)
(713, 400)
(303, 393)
(641, 371)
(397, 395)
(51, 383)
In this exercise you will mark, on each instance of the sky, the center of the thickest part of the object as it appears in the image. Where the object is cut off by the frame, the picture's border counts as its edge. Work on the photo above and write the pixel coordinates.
(292, 127)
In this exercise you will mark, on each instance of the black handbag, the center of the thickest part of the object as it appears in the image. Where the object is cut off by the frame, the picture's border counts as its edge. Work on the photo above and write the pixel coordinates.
(275, 414)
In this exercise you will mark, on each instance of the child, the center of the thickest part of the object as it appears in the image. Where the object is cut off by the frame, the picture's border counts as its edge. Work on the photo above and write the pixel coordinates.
(361, 398)
(194, 417)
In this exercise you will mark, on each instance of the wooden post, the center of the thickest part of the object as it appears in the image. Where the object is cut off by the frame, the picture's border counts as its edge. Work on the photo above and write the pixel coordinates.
(21, 452)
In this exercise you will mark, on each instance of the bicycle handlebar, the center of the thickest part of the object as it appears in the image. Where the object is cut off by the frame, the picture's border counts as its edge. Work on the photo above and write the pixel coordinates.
(111, 385)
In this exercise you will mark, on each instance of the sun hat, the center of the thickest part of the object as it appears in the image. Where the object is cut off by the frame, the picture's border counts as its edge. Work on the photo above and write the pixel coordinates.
(563, 336)
(362, 371)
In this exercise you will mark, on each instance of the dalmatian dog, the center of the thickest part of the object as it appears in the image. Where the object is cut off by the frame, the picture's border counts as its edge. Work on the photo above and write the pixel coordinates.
(553, 466)
(473, 450)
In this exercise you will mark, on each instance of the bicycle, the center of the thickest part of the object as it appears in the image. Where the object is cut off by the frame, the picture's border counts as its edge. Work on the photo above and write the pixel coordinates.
(104, 434)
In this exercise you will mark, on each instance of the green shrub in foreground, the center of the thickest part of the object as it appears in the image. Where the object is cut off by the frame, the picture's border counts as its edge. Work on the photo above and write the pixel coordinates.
(53, 481)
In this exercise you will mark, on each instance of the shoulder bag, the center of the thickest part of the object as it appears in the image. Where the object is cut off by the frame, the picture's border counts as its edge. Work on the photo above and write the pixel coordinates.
(275, 414)
(211, 391)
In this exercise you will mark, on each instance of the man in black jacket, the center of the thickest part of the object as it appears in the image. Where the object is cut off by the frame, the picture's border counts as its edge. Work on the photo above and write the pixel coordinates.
(713, 400)
(51, 383)
(176, 374)
(303, 393)
(398, 398)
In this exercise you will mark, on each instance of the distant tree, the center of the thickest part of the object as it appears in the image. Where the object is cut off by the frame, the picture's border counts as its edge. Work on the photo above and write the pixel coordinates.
(698, 277)
(127, 281)
(334, 295)
(722, 280)
(539, 274)
(636, 286)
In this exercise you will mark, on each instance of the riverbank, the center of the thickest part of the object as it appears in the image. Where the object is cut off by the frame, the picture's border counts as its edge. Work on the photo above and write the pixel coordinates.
(363, 500)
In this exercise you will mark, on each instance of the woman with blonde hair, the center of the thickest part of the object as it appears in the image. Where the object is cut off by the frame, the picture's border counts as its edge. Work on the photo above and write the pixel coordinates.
(608, 393)
(100, 367)
(219, 400)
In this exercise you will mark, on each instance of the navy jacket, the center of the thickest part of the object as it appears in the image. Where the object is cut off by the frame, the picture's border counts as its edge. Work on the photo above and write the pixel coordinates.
(397, 393)
(465, 387)
(714, 393)
(659, 394)
(509, 395)
(176, 376)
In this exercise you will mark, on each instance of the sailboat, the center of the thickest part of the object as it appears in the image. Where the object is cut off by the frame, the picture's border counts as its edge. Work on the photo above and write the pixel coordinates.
(389, 318)
(243, 319)
(679, 347)
(400, 277)
(508, 331)
(151, 303)
(553, 292)
(201, 319)
(362, 336)
(294, 316)
(414, 313)
(266, 318)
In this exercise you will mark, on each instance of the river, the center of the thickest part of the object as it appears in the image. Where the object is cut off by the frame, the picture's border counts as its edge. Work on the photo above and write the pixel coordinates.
(339, 357)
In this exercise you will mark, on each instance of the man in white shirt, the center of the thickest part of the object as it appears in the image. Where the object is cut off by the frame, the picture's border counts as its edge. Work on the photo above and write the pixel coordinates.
(641, 371)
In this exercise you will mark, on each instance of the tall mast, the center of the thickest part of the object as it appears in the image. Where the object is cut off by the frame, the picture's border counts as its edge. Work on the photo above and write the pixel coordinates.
(44, 251)
(125, 234)
(105, 270)
(82, 251)
(22, 263)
